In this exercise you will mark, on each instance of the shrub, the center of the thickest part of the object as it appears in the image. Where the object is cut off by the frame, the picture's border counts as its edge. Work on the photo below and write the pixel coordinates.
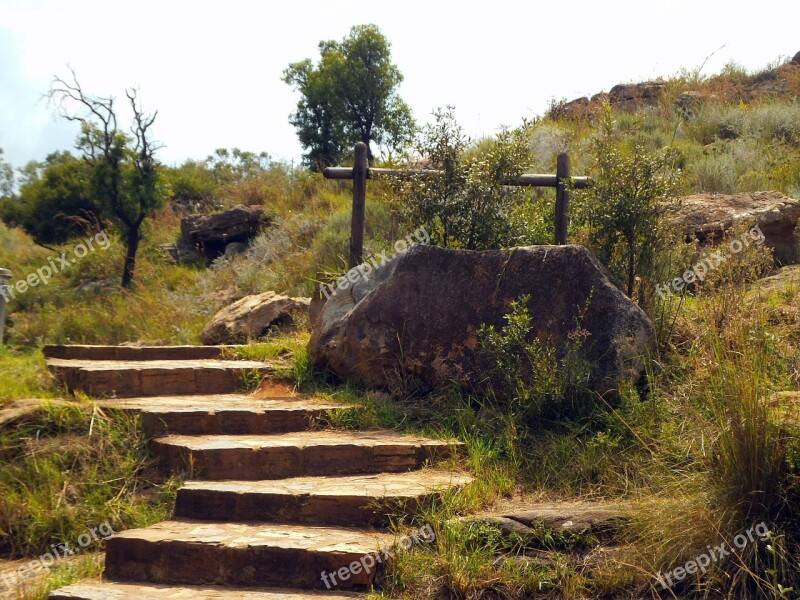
(467, 205)
(631, 192)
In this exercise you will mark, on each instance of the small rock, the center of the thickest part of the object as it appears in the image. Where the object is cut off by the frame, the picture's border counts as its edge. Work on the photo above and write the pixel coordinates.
(251, 317)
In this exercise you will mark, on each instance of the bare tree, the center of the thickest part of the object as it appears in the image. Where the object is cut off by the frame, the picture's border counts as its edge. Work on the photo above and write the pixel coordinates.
(124, 168)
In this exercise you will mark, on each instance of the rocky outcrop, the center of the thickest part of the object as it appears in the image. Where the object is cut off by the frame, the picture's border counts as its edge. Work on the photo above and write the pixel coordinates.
(625, 96)
(419, 314)
(251, 317)
(636, 95)
(706, 217)
(212, 233)
(796, 59)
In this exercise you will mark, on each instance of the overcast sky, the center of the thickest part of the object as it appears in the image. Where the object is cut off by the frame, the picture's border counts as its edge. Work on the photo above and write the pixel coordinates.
(213, 69)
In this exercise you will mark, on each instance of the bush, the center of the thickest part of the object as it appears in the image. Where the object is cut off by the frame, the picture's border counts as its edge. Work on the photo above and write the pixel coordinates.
(466, 206)
(632, 190)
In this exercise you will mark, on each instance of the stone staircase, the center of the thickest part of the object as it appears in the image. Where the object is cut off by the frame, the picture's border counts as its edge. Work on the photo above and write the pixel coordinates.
(274, 502)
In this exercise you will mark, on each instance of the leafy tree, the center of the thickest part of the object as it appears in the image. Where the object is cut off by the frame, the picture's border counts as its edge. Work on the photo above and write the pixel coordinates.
(6, 178)
(55, 202)
(350, 95)
(467, 205)
(123, 168)
(235, 165)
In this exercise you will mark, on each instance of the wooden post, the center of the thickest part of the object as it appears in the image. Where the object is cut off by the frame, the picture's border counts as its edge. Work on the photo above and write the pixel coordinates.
(562, 198)
(359, 201)
(5, 277)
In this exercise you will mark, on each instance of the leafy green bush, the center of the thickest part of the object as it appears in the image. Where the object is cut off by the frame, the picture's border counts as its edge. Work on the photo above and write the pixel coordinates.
(467, 205)
(631, 192)
(532, 381)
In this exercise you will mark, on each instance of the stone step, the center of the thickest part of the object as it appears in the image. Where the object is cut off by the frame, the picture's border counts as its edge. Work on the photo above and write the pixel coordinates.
(225, 413)
(105, 378)
(109, 590)
(533, 519)
(84, 352)
(308, 453)
(245, 554)
(353, 500)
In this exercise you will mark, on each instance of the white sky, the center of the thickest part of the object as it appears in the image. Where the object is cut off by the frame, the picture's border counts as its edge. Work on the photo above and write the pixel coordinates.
(213, 69)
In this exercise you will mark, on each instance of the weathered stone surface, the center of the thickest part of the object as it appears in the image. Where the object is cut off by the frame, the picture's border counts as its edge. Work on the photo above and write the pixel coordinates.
(285, 532)
(110, 590)
(247, 554)
(635, 95)
(251, 317)
(224, 414)
(83, 352)
(120, 379)
(420, 313)
(707, 216)
(526, 518)
(212, 233)
(253, 457)
(624, 96)
(351, 500)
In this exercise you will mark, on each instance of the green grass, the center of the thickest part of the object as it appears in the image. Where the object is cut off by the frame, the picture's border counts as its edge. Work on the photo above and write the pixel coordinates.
(23, 375)
(73, 467)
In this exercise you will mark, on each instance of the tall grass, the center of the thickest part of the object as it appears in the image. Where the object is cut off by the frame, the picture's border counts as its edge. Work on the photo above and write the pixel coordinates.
(73, 467)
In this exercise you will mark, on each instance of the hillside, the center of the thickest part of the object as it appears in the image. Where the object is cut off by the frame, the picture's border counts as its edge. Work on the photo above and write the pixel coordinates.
(701, 448)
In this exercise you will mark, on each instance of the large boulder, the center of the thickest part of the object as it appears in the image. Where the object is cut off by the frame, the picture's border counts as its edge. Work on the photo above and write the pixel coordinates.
(796, 59)
(212, 233)
(706, 217)
(418, 315)
(251, 317)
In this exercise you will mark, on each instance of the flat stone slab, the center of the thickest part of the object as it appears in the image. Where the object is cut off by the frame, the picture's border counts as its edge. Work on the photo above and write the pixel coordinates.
(307, 453)
(225, 413)
(153, 377)
(602, 519)
(123, 591)
(352, 500)
(91, 352)
(246, 554)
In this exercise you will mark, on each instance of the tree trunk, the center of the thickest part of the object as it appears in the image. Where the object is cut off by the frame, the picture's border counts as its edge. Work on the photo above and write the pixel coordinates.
(132, 247)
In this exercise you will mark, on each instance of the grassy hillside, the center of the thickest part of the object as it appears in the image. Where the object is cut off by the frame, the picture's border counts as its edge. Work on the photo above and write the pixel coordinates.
(703, 452)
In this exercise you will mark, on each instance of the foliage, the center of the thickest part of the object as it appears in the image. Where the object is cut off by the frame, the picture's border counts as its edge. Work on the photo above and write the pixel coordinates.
(631, 192)
(123, 168)
(24, 375)
(532, 380)
(467, 205)
(70, 468)
(6, 178)
(350, 95)
(55, 203)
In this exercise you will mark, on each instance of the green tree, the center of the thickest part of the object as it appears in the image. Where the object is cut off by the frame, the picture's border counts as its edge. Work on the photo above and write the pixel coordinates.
(350, 95)
(124, 171)
(6, 178)
(55, 201)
